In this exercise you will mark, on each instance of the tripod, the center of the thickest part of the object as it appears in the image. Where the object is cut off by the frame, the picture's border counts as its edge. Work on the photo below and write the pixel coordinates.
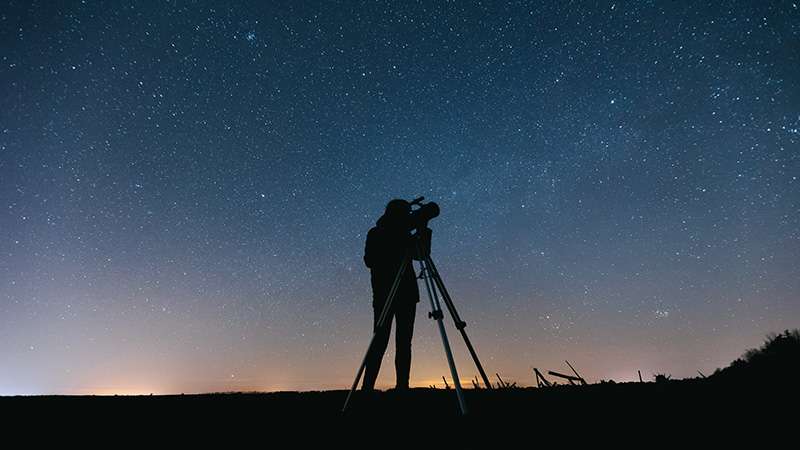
(421, 251)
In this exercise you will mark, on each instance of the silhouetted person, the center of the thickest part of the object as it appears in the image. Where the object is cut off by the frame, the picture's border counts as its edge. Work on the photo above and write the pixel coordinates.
(384, 251)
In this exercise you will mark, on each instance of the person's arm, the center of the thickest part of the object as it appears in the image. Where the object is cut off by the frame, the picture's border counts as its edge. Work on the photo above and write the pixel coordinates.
(369, 249)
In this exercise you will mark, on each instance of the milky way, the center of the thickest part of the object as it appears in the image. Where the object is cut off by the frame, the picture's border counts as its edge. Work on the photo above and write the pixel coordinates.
(185, 187)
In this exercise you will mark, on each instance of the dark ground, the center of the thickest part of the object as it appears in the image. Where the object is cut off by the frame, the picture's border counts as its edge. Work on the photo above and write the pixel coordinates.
(424, 417)
(752, 401)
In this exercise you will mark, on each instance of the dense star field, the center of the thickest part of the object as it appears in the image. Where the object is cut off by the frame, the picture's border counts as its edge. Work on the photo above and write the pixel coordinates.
(186, 187)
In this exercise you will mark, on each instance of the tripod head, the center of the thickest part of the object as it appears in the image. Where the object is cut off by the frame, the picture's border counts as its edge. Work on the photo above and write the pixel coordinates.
(421, 240)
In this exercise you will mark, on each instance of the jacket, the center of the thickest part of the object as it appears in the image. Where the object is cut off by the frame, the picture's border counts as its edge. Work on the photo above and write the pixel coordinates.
(384, 252)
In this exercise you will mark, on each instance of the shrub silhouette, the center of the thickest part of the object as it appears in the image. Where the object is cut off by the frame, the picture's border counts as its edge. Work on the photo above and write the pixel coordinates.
(778, 357)
(662, 378)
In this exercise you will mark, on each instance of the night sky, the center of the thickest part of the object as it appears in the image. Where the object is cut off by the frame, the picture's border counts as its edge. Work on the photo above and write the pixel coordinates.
(186, 187)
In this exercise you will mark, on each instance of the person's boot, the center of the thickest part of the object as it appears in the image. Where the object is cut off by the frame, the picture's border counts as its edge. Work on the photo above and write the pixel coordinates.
(401, 387)
(370, 377)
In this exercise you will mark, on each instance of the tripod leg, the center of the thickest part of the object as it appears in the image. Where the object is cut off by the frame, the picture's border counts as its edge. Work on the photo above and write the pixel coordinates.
(381, 322)
(460, 324)
(437, 315)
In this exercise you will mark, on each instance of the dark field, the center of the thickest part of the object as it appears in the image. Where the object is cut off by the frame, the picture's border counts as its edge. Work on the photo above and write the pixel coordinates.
(756, 397)
(689, 407)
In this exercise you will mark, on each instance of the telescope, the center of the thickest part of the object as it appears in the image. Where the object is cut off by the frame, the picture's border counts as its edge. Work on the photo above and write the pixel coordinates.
(418, 221)
(419, 217)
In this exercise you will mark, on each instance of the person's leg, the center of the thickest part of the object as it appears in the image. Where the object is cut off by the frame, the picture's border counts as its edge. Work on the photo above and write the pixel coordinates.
(377, 350)
(403, 333)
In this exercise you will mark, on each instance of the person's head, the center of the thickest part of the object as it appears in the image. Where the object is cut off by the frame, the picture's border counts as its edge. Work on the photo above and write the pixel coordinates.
(397, 212)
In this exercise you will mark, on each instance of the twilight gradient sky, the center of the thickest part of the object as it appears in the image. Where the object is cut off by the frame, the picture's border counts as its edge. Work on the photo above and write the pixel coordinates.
(185, 187)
